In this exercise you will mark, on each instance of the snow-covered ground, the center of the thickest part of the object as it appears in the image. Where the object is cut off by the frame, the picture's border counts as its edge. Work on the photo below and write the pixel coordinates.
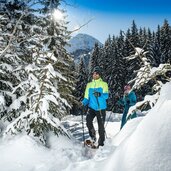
(24, 154)
(144, 144)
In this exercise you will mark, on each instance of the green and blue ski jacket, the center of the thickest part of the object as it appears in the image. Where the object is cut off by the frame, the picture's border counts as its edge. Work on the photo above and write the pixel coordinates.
(96, 103)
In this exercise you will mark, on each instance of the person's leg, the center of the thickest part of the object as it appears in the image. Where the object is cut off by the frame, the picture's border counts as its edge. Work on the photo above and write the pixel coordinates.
(89, 121)
(123, 122)
(101, 120)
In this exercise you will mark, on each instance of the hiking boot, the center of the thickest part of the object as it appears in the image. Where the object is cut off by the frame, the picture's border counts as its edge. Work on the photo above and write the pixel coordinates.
(93, 139)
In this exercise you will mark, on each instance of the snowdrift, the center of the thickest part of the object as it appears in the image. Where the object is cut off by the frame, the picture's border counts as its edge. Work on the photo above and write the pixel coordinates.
(148, 148)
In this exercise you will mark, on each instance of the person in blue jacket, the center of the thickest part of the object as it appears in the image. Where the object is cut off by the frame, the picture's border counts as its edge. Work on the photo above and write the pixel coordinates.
(95, 97)
(129, 99)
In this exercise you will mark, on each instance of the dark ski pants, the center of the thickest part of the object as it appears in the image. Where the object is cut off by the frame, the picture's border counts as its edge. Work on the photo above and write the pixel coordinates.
(100, 120)
(123, 122)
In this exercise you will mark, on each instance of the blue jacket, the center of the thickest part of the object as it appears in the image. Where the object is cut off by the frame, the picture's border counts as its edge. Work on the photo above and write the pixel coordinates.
(89, 98)
(128, 100)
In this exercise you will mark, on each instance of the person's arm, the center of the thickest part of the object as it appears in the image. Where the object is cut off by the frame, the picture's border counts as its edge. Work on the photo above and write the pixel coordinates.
(120, 102)
(105, 93)
(86, 96)
(132, 99)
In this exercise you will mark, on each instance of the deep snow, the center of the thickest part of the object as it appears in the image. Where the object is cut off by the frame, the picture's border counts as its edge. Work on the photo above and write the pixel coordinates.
(144, 144)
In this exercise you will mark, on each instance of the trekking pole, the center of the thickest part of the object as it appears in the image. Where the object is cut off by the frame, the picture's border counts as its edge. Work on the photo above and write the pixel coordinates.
(100, 113)
(82, 118)
(108, 119)
(99, 108)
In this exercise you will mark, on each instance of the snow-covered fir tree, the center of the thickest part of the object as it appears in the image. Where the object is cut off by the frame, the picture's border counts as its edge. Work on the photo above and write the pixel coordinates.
(116, 71)
(145, 74)
(132, 39)
(105, 58)
(134, 34)
(165, 42)
(81, 81)
(156, 50)
(14, 30)
(94, 59)
(43, 92)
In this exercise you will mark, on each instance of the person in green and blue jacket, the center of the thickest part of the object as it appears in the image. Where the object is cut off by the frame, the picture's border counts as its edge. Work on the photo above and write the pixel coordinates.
(129, 99)
(95, 97)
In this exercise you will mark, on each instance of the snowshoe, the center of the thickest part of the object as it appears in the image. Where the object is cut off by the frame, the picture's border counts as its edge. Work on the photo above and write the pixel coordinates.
(90, 144)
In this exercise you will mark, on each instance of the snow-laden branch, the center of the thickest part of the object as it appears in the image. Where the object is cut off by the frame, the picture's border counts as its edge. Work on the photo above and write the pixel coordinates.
(146, 72)
(70, 32)
(29, 118)
(144, 75)
(12, 36)
(148, 100)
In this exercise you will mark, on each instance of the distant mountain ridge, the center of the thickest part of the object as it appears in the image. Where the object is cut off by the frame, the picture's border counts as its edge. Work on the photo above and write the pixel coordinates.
(81, 46)
(83, 42)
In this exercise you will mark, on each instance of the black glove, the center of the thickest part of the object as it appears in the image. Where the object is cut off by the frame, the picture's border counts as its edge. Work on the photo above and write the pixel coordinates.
(97, 94)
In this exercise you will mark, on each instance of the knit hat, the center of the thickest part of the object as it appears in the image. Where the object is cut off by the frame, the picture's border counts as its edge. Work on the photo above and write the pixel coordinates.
(97, 70)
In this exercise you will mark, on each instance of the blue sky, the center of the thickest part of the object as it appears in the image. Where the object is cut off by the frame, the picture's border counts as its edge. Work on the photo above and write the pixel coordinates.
(111, 16)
